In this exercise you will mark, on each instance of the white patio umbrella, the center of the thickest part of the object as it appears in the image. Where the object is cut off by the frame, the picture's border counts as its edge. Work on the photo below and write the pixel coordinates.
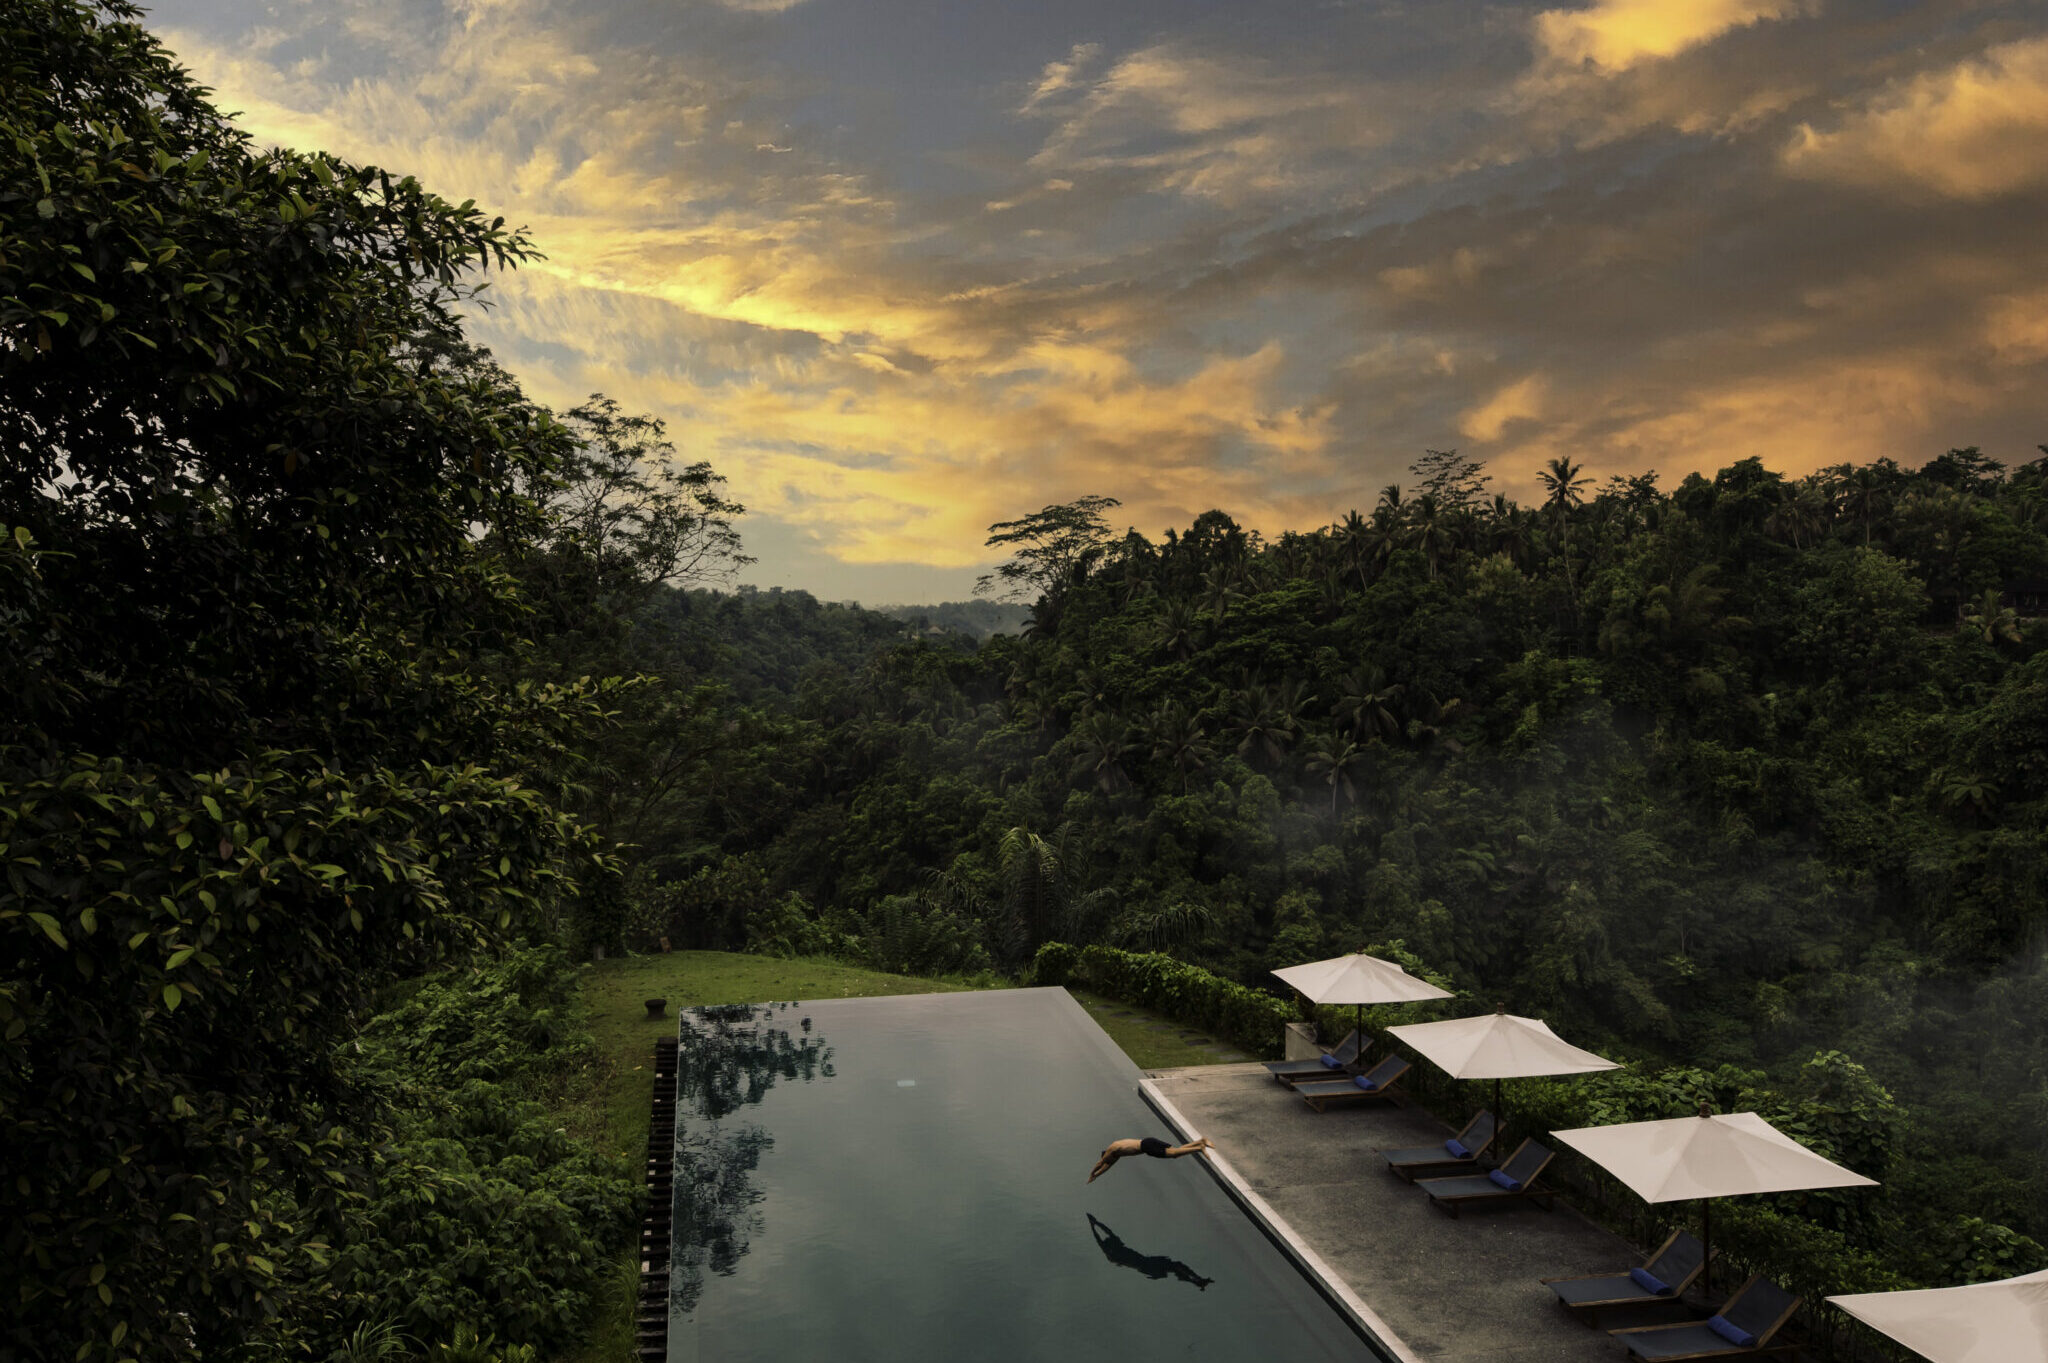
(2001, 1322)
(1498, 1045)
(1707, 1156)
(1358, 980)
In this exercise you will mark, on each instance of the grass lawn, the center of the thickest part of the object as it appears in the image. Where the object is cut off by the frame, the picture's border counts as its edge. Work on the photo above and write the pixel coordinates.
(1152, 1041)
(613, 1108)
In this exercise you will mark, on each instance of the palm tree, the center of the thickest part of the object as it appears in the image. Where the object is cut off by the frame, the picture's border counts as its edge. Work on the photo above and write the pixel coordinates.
(1429, 529)
(1356, 545)
(1219, 589)
(1367, 701)
(1179, 740)
(1263, 735)
(1865, 495)
(1041, 892)
(1993, 620)
(1801, 516)
(1175, 627)
(1100, 747)
(1034, 884)
(1566, 483)
(1338, 761)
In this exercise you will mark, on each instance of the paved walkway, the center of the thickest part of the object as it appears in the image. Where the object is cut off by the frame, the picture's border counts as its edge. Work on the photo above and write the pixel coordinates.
(1464, 1289)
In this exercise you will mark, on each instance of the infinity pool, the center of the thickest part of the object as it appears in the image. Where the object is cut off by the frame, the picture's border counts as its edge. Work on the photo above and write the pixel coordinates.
(904, 1179)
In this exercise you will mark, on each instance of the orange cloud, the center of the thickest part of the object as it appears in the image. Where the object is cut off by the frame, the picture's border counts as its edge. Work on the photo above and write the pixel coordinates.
(1522, 400)
(1797, 422)
(1971, 130)
(1618, 34)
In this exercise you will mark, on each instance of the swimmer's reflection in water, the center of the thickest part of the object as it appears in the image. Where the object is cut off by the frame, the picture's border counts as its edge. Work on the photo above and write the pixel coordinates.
(1156, 1266)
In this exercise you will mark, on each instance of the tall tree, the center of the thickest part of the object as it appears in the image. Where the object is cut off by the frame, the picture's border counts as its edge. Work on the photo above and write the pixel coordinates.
(1048, 548)
(253, 771)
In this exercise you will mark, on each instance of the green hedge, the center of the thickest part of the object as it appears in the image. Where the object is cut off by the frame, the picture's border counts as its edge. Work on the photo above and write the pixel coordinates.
(1187, 994)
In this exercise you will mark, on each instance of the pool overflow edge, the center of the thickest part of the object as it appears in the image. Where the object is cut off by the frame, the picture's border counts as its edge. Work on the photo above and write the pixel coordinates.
(1363, 1320)
(650, 1324)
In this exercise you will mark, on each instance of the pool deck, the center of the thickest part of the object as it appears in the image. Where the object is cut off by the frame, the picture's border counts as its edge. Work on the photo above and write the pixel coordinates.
(1462, 1289)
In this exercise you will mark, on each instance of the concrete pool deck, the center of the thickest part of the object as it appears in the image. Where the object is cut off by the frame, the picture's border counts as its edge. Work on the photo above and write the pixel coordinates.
(1445, 1289)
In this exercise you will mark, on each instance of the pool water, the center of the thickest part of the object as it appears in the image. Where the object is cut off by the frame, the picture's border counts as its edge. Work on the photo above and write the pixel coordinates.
(904, 1179)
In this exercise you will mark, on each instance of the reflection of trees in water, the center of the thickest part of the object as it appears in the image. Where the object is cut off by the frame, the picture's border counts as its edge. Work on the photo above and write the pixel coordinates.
(716, 1215)
(1155, 1266)
(729, 1058)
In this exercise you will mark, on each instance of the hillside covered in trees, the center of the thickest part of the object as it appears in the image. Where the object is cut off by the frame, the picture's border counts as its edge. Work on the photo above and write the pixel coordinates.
(1722, 774)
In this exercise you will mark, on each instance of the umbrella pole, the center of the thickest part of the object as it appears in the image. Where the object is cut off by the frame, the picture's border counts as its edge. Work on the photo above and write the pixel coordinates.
(1707, 1246)
(1499, 1119)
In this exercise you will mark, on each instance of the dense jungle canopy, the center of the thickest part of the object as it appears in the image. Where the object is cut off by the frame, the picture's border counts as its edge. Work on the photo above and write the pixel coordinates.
(330, 660)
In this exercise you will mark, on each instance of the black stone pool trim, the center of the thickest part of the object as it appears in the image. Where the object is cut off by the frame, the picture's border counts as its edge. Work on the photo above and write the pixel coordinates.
(650, 1318)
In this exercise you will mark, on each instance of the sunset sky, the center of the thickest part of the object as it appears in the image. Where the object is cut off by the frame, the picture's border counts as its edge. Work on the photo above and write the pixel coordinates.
(902, 268)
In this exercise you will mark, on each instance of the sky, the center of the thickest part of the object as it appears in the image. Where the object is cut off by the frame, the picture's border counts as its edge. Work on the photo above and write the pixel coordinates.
(901, 269)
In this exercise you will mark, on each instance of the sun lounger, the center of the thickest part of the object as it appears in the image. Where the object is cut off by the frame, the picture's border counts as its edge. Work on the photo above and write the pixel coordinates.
(1663, 1277)
(1377, 1082)
(1743, 1329)
(1514, 1181)
(1338, 1060)
(1461, 1151)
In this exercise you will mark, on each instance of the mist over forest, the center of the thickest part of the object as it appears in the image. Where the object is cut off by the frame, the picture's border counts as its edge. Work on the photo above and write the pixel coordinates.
(352, 697)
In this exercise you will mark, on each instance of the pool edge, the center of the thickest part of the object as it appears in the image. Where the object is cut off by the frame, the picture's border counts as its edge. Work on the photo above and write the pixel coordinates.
(1361, 1317)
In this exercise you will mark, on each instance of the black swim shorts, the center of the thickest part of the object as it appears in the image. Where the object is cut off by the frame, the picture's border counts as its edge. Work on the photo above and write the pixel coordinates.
(1153, 1146)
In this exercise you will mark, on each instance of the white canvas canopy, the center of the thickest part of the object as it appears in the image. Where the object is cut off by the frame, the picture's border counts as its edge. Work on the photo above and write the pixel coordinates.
(2001, 1322)
(1707, 1156)
(1359, 980)
(1498, 1045)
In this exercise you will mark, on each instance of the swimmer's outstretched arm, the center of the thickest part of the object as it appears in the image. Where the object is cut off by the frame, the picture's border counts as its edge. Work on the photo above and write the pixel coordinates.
(1113, 1152)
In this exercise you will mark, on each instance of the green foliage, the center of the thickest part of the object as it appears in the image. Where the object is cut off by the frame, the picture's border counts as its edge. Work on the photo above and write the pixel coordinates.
(234, 916)
(480, 1209)
(1183, 992)
(468, 1346)
(260, 496)
(788, 928)
(904, 936)
(1977, 1251)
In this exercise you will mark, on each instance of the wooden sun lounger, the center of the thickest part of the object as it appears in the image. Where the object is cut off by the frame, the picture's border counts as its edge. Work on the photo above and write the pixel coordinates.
(1758, 1310)
(1339, 1060)
(1474, 1140)
(1514, 1181)
(1377, 1082)
(1672, 1269)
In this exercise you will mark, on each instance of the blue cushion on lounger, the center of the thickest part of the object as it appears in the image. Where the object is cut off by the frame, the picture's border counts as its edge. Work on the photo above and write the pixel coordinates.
(1505, 1180)
(1730, 1331)
(1333, 1062)
(1650, 1282)
(1368, 1085)
(1457, 1147)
